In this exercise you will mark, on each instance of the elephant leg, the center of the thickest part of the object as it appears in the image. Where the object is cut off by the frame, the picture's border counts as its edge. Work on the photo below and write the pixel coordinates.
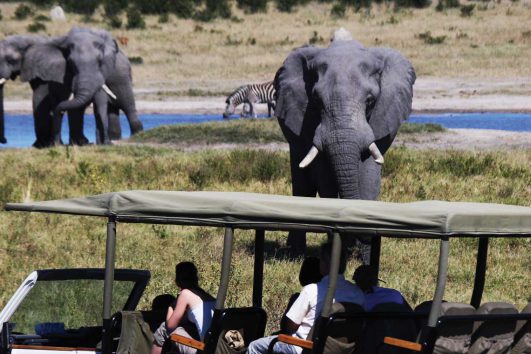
(42, 114)
(102, 120)
(115, 129)
(303, 185)
(75, 127)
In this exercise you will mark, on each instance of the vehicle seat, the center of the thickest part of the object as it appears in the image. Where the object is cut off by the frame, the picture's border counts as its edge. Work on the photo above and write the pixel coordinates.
(132, 333)
(341, 332)
(377, 329)
(249, 321)
(454, 336)
(423, 310)
(494, 336)
(522, 337)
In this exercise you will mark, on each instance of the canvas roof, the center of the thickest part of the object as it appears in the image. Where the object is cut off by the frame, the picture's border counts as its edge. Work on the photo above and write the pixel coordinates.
(433, 219)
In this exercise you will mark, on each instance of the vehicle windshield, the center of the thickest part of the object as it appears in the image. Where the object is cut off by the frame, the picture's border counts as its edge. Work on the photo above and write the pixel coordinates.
(74, 303)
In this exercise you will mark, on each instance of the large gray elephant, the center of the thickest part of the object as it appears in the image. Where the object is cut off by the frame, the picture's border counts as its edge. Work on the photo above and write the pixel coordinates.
(340, 108)
(96, 62)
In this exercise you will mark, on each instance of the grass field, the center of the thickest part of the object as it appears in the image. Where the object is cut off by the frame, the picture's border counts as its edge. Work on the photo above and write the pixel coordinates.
(32, 241)
(183, 57)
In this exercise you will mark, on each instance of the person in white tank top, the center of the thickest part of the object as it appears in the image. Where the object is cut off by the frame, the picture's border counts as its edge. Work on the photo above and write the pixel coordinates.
(193, 304)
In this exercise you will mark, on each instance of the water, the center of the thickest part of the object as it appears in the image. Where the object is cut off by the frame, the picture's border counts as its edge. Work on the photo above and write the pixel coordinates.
(20, 133)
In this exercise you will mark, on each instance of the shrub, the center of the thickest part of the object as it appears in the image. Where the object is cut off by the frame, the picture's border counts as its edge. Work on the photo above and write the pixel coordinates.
(114, 7)
(23, 11)
(1, 15)
(85, 7)
(114, 21)
(446, 4)
(429, 39)
(164, 18)
(136, 60)
(135, 19)
(286, 5)
(338, 10)
(183, 8)
(41, 18)
(466, 10)
(252, 6)
(36, 27)
(316, 38)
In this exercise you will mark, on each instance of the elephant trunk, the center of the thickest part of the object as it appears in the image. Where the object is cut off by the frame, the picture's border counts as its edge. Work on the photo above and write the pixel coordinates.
(344, 153)
(3, 139)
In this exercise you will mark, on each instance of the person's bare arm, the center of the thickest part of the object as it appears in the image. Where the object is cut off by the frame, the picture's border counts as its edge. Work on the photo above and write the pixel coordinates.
(174, 317)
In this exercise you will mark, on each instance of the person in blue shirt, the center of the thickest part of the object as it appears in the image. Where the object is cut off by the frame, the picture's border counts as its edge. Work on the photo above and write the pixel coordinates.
(365, 277)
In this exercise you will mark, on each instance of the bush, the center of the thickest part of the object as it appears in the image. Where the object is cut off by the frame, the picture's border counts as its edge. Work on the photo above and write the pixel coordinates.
(85, 7)
(36, 27)
(252, 6)
(164, 18)
(315, 38)
(429, 39)
(466, 10)
(338, 10)
(286, 5)
(183, 8)
(41, 18)
(135, 19)
(23, 11)
(114, 21)
(114, 7)
(136, 60)
(1, 15)
(446, 4)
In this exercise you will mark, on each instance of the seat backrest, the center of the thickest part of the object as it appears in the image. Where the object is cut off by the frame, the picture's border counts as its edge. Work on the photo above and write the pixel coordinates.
(341, 332)
(495, 335)
(378, 328)
(135, 336)
(454, 336)
(249, 321)
(522, 336)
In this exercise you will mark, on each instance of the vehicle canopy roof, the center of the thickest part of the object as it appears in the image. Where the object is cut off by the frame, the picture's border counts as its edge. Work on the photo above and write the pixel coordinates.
(430, 219)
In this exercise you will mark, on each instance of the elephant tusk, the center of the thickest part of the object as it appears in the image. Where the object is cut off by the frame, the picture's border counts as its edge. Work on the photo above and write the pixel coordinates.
(108, 91)
(312, 154)
(2, 81)
(376, 154)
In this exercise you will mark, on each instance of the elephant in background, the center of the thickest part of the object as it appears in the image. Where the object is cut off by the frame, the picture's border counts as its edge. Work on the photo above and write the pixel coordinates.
(340, 108)
(51, 69)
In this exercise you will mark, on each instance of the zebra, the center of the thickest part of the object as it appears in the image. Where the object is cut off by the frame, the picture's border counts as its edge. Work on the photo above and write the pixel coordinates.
(250, 95)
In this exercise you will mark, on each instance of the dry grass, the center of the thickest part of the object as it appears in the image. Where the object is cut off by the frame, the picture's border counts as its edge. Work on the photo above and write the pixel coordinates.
(33, 241)
(184, 54)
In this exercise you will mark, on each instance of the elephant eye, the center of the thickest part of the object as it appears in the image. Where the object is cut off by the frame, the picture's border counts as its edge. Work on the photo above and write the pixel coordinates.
(370, 100)
(11, 60)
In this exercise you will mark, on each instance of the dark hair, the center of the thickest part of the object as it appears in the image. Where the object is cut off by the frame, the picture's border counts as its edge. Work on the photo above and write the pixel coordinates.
(310, 272)
(186, 275)
(365, 277)
(162, 302)
(326, 256)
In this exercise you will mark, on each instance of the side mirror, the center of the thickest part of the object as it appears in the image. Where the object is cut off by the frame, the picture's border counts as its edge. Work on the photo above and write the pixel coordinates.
(5, 340)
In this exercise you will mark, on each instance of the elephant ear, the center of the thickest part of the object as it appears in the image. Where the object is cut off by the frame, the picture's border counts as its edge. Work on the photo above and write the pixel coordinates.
(293, 88)
(393, 105)
(45, 62)
(109, 48)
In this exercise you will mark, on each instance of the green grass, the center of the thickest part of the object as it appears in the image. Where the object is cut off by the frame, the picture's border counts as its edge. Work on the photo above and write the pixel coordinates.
(239, 131)
(33, 241)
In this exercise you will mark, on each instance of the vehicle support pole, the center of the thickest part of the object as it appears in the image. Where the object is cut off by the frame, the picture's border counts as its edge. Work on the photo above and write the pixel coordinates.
(107, 284)
(481, 268)
(258, 278)
(332, 276)
(376, 246)
(225, 268)
(441, 283)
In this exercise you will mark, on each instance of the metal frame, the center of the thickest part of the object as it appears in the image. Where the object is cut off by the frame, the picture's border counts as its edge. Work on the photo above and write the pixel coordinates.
(481, 269)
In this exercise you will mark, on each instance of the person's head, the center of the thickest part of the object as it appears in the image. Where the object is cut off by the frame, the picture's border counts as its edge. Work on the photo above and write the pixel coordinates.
(341, 34)
(310, 271)
(365, 276)
(162, 302)
(326, 257)
(186, 275)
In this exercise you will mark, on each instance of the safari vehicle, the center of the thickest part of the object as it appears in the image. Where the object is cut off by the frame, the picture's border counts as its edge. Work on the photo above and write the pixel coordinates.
(442, 327)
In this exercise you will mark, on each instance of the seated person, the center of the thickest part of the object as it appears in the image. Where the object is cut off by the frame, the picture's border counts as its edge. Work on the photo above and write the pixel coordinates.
(159, 308)
(308, 305)
(365, 277)
(310, 273)
(193, 303)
